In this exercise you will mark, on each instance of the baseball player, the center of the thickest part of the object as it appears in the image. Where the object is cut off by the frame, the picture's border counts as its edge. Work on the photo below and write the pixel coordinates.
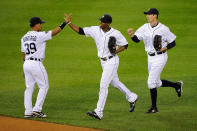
(157, 58)
(33, 45)
(109, 61)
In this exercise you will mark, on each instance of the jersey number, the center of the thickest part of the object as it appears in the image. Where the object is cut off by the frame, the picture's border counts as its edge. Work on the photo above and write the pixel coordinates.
(31, 48)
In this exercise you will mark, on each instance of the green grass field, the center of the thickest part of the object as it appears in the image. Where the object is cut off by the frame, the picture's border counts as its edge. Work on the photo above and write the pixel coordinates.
(74, 70)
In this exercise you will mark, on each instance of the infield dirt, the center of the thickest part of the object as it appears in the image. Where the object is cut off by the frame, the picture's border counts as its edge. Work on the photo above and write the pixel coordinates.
(17, 124)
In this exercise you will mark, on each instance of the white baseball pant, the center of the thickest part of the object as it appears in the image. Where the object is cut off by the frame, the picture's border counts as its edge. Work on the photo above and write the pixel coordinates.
(34, 73)
(109, 75)
(155, 66)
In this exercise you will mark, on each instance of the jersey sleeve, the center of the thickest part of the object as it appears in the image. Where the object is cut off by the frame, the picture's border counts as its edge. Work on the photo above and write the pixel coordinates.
(89, 31)
(140, 32)
(45, 35)
(170, 37)
(121, 40)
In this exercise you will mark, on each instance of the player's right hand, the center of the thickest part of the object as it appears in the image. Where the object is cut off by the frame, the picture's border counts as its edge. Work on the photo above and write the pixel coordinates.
(67, 17)
(131, 32)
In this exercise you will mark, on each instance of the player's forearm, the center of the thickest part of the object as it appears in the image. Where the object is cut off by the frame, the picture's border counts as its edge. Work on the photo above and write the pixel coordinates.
(163, 49)
(73, 27)
(135, 39)
(169, 46)
(23, 55)
(120, 49)
(56, 31)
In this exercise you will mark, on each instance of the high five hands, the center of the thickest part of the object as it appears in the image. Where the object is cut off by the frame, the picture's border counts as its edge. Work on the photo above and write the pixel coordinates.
(67, 17)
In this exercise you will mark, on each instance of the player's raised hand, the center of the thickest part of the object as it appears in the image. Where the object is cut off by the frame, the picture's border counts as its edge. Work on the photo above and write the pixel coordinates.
(131, 32)
(67, 17)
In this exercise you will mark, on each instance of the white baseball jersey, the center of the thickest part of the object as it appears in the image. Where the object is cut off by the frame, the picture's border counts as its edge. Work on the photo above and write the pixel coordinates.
(101, 39)
(33, 44)
(147, 34)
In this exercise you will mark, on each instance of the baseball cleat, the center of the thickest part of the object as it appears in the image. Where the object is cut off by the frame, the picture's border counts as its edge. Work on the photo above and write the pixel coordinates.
(93, 114)
(132, 105)
(152, 110)
(179, 90)
(28, 116)
(39, 114)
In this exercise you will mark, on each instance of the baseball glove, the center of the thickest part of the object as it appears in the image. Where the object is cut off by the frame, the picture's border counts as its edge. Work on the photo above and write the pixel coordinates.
(157, 42)
(112, 44)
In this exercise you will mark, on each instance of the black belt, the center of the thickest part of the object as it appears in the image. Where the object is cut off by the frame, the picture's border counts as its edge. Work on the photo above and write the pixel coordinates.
(36, 59)
(158, 53)
(106, 58)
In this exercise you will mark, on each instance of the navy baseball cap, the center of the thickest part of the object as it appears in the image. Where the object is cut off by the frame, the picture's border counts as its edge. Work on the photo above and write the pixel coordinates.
(152, 11)
(35, 20)
(106, 18)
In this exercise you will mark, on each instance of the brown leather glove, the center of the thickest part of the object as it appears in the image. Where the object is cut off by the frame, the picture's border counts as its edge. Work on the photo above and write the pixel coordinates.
(112, 44)
(157, 42)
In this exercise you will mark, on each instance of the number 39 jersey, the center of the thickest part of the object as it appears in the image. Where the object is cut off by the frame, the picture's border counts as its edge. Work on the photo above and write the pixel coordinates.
(33, 44)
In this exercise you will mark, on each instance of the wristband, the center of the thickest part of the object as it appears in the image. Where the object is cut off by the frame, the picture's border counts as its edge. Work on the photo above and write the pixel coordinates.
(62, 25)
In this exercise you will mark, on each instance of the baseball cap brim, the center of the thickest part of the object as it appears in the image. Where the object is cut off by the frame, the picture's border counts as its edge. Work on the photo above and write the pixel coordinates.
(146, 13)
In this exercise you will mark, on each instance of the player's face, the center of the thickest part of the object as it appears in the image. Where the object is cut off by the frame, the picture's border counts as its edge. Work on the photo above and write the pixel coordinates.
(38, 27)
(151, 17)
(103, 25)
